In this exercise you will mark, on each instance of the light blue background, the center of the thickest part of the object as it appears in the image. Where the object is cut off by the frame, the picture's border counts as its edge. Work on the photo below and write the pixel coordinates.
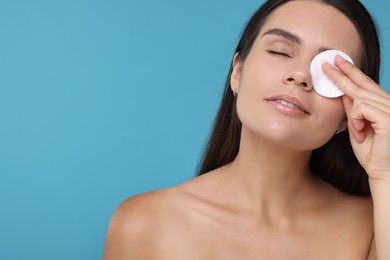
(100, 100)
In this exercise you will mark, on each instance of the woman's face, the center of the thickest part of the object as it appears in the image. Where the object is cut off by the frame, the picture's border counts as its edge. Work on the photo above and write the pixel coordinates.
(276, 99)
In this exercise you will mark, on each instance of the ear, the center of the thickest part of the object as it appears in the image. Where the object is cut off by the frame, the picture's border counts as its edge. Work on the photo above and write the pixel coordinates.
(235, 77)
(343, 125)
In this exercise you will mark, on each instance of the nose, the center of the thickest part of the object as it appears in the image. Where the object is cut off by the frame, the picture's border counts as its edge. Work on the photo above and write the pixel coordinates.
(299, 76)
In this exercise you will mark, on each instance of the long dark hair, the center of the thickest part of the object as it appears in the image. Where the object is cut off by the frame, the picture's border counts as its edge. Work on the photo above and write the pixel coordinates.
(335, 161)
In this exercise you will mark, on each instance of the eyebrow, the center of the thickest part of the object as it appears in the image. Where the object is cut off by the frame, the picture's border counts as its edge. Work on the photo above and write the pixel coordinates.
(285, 34)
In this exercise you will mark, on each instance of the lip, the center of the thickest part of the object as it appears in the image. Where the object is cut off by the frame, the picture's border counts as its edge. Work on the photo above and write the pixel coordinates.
(299, 109)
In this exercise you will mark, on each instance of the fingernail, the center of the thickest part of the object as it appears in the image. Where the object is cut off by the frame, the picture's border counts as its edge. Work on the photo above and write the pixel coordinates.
(340, 57)
(326, 65)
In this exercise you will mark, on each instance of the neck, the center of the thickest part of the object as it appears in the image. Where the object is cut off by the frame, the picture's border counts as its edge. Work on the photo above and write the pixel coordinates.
(269, 177)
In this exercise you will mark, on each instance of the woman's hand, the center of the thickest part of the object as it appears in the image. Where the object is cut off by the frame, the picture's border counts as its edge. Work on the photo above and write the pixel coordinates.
(367, 107)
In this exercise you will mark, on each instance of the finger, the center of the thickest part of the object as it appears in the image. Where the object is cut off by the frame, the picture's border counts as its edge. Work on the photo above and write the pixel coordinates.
(360, 85)
(355, 126)
(341, 80)
(348, 103)
(364, 114)
(359, 135)
(377, 118)
(375, 103)
(356, 123)
(356, 75)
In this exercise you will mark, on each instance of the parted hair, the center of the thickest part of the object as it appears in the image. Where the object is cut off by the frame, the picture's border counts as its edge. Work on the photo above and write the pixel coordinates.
(334, 162)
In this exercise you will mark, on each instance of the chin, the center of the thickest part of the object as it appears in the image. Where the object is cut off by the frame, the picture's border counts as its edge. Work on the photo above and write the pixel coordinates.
(287, 136)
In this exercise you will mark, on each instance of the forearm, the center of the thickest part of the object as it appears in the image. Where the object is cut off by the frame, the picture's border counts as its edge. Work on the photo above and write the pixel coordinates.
(381, 198)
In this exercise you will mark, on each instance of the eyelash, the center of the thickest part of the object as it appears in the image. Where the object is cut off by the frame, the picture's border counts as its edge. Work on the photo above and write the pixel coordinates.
(279, 53)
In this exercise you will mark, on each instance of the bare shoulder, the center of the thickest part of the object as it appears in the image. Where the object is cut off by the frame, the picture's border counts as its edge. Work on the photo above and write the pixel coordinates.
(359, 223)
(352, 208)
(142, 205)
(131, 226)
(359, 215)
(356, 205)
(351, 217)
(138, 225)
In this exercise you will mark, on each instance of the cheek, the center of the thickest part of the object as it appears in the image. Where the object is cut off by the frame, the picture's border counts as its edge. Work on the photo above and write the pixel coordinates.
(258, 76)
(330, 115)
(332, 110)
(246, 106)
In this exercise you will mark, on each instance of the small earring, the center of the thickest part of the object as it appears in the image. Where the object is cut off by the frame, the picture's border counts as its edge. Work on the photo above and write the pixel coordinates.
(235, 92)
(341, 127)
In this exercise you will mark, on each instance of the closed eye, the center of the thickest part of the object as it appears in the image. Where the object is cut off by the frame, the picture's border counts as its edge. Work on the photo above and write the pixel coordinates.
(278, 53)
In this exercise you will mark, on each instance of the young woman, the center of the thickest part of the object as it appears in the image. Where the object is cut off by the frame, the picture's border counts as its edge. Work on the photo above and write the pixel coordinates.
(290, 174)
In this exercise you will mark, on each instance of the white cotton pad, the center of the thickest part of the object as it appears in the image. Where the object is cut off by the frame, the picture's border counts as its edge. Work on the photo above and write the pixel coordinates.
(323, 85)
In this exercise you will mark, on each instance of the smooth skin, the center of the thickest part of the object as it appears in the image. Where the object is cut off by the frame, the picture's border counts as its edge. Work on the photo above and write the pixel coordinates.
(266, 204)
(368, 110)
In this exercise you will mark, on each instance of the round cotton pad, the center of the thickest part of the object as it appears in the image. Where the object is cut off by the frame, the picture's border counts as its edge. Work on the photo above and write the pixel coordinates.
(323, 85)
